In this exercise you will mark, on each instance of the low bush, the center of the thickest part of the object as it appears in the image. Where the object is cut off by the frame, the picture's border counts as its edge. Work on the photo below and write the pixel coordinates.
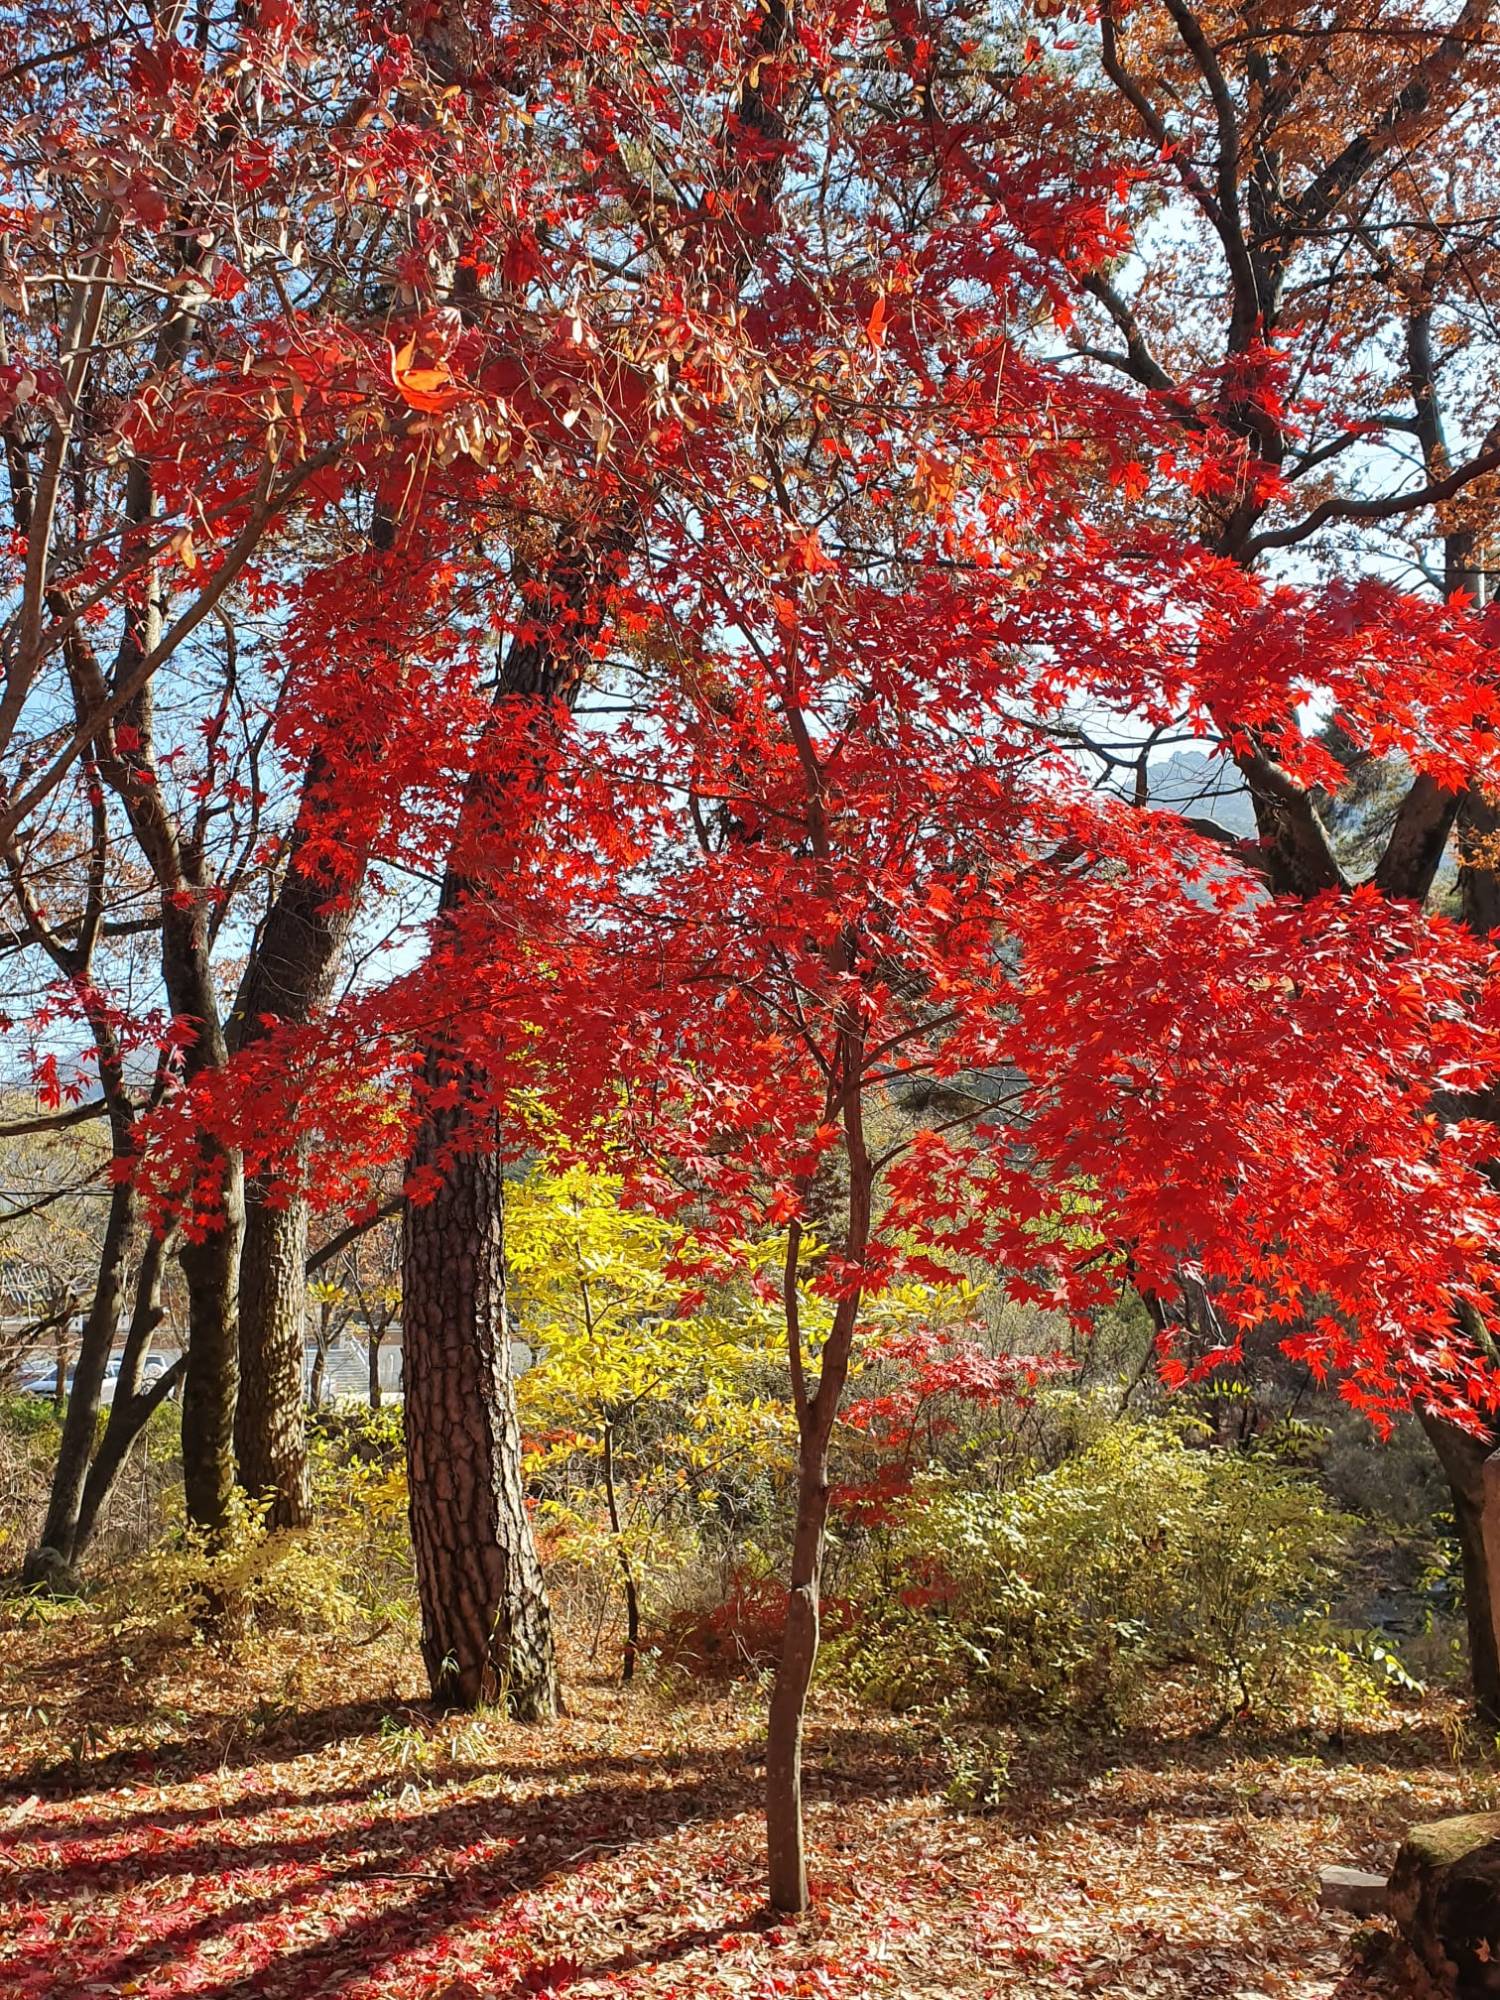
(353, 1567)
(1145, 1578)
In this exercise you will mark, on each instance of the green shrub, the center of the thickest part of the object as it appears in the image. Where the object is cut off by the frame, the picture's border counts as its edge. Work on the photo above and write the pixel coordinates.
(358, 1459)
(352, 1567)
(28, 1418)
(345, 1433)
(1144, 1577)
(29, 1433)
(263, 1581)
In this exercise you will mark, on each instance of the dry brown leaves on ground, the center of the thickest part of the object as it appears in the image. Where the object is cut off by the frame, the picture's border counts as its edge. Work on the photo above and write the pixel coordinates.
(295, 1825)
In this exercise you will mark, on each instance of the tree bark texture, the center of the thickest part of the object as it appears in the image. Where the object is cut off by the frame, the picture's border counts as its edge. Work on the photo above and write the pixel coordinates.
(1472, 1468)
(134, 1403)
(487, 1630)
(58, 1548)
(486, 1627)
(269, 1430)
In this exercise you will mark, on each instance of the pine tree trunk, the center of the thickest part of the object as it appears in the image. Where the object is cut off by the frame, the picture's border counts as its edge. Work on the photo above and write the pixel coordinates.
(269, 1429)
(487, 1633)
(486, 1627)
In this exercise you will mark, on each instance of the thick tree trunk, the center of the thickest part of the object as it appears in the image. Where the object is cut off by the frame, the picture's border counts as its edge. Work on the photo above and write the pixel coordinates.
(1472, 1468)
(289, 977)
(786, 1852)
(486, 1627)
(269, 1432)
(58, 1548)
(211, 1269)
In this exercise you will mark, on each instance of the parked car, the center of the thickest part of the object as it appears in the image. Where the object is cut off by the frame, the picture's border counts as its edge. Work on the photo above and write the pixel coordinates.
(41, 1379)
(43, 1382)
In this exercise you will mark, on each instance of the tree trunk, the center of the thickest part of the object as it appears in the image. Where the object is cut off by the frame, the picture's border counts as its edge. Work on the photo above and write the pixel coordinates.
(58, 1548)
(269, 1433)
(289, 977)
(627, 1574)
(133, 1406)
(487, 1632)
(210, 1386)
(486, 1627)
(210, 1255)
(786, 1852)
(1472, 1468)
(60, 1366)
(374, 1358)
(817, 1412)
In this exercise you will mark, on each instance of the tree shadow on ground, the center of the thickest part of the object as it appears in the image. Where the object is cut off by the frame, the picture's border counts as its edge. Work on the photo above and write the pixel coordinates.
(1048, 1769)
(463, 1864)
(210, 1741)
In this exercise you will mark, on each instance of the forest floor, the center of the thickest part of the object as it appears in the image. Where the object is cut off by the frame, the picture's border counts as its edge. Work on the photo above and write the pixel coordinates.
(293, 1824)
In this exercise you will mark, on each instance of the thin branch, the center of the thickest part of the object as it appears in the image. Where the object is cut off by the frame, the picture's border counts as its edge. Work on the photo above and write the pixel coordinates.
(56, 1121)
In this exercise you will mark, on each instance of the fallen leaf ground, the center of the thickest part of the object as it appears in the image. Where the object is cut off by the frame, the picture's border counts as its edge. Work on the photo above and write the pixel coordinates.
(294, 1825)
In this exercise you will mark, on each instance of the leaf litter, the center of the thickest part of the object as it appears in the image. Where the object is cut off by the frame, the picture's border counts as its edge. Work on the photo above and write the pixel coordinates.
(295, 1824)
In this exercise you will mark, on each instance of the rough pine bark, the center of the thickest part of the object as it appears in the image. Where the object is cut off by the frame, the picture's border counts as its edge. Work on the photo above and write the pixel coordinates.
(486, 1627)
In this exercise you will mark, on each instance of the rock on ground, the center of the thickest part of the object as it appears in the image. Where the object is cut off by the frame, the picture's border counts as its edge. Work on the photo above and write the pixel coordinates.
(1445, 1896)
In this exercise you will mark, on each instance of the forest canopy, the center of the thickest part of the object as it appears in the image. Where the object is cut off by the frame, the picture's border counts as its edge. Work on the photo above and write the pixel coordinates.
(747, 763)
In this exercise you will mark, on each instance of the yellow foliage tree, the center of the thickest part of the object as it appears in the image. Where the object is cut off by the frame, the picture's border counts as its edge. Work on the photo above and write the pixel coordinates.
(653, 1378)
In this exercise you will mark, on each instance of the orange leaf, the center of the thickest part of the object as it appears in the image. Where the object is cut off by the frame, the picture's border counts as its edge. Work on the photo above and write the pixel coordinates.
(431, 389)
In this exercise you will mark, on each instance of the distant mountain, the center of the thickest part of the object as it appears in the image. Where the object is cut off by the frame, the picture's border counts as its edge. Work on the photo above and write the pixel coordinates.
(1211, 787)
